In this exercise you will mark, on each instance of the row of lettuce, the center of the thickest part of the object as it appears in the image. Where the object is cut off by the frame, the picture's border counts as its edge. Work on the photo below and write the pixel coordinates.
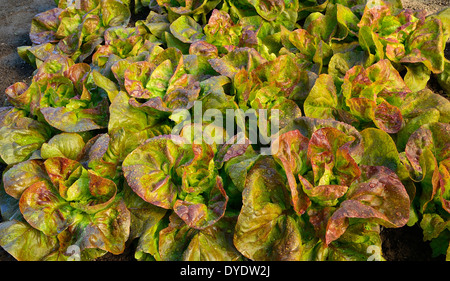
(363, 144)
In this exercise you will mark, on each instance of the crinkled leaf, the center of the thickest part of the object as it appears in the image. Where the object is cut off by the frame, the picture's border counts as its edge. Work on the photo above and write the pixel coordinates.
(150, 170)
(187, 30)
(429, 141)
(67, 145)
(20, 136)
(291, 150)
(307, 126)
(337, 23)
(115, 13)
(360, 242)
(213, 243)
(107, 229)
(322, 100)
(421, 108)
(182, 95)
(44, 27)
(24, 242)
(45, 210)
(324, 195)
(74, 183)
(378, 196)
(221, 31)
(265, 230)
(379, 149)
(23, 175)
(199, 214)
(22, 96)
(179, 242)
(240, 58)
(72, 122)
(426, 45)
(136, 79)
(328, 152)
(388, 118)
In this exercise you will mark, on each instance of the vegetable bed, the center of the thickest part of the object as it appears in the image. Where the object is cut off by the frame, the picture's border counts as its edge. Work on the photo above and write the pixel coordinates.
(122, 146)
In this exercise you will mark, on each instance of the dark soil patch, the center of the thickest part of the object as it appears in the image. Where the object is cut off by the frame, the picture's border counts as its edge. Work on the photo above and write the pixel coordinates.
(406, 244)
(15, 21)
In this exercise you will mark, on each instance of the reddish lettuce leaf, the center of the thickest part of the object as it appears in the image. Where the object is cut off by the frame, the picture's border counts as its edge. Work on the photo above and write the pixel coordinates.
(378, 196)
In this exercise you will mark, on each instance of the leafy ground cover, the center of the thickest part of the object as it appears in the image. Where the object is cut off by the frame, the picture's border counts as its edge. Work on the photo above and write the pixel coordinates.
(92, 160)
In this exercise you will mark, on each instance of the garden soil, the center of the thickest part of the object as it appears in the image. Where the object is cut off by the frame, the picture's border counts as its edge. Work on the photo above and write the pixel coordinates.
(404, 244)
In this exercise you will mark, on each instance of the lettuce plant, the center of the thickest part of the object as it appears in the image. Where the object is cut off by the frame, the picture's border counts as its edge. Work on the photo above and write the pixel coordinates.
(65, 204)
(104, 148)
(318, 193)
(73, 31)
(427, 159)
(60, 96)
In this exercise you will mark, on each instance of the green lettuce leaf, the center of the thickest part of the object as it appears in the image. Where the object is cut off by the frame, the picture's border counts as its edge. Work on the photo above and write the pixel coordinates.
(267, 228)
(231, 63)
(187, 30)
(178, 176)
(377, 196)
(420, 108)
(68, 145)
(322, 101)
(78, 206)
(22, 175)
(20, 136)
(179, 242)
(426, 45)
(196, 7)
(24, 242)
(379, 149)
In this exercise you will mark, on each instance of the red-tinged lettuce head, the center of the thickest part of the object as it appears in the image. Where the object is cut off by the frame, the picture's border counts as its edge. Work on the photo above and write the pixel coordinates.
(328, 152)
(332, 187)
(62, 93)
(170, 174)
(426, 45)
(64, 201)
(74, 30)
(164, 83)
(124, 43)
(427, 152)
(222, 32)
(169, 238)
(372, 94)
(188, 7)
(406, 37)
(267, 227)
(322, 164)
(44, 27)
(271, 83)
(233, 62)
(377, 196)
